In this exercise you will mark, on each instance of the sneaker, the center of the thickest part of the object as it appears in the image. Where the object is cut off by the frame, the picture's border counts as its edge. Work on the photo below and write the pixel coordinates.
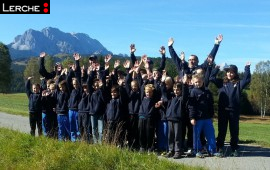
(235, 153)
(189, 152)
(169, 154)
(177, 155)
(218, 154)
(199, 155)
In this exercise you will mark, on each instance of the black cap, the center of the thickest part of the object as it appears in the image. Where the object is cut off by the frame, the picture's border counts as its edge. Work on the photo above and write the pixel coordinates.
(93, 57)
(232, 68)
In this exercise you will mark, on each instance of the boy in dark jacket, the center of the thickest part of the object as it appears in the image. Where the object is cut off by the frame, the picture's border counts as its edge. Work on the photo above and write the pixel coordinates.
(176, 108)
(35, 108)
(201, 111)
(116, 115)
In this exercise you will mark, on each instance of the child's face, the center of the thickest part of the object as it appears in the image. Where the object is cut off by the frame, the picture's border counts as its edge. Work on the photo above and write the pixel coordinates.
(96, 85)
(62, 88)
(52, 87)
(35, 89)
(134, 86)
(197, 82)
(177, 91)
(114, 94)
(168, 84)
(85, 89)
(148, 93)
(230, 75)
(75, 84)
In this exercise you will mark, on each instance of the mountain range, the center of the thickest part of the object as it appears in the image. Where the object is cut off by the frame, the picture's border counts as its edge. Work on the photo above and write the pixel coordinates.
(53, 41)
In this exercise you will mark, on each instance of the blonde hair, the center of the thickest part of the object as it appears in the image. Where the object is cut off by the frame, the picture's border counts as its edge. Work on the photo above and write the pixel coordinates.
(149, 87)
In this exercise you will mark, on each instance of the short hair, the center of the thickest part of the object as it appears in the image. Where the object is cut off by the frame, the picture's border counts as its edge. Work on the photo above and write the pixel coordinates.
(115, 88)
(197, 76)
(50, 81)
(178, 86)
(37, 85)
(85, 86)
(63, 83)
(150, 87)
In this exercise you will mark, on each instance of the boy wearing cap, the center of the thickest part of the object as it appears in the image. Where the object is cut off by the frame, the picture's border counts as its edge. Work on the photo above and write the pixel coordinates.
(230, 88)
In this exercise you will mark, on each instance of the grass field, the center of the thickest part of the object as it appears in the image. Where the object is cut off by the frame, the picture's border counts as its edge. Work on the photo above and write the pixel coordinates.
(21, 151)
(253, 129)
(16, 103)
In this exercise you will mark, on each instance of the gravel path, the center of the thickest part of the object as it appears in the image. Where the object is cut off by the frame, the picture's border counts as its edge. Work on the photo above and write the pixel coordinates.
(251, 157)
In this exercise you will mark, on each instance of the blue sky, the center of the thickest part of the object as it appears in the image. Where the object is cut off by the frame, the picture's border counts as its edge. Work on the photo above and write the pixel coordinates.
(245, 26)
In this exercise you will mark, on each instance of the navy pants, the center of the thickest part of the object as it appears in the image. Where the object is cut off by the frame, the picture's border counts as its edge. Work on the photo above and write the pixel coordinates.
(225, 117)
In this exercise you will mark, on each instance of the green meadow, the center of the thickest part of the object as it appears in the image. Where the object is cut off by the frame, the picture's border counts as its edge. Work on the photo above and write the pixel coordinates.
(22, 151)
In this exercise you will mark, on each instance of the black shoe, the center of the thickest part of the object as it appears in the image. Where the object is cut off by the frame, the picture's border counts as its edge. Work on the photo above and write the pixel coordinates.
(177, 155)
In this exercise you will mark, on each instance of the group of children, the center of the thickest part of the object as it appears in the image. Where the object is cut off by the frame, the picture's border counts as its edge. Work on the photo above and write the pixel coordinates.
(142, 107)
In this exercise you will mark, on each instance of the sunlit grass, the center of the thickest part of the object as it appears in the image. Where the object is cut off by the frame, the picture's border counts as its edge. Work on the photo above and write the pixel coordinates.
(22, 151)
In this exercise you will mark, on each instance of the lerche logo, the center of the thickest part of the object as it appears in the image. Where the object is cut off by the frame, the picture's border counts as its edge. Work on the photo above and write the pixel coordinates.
(35, 7)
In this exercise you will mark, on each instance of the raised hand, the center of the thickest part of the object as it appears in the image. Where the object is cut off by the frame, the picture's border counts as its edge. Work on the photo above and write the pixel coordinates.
(248, 63)
(107, 66)
(76, 56)
(218, 39)
(116, 64)
(132, 48)
(162, 50)
(164, 75)
(170, 42)
(107, 58)
(42, 54)
(126, 64)
(182, 56)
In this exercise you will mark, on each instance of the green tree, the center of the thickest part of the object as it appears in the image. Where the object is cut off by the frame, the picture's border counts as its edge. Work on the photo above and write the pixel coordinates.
(259, 88)
(5, 69)
(31, 70)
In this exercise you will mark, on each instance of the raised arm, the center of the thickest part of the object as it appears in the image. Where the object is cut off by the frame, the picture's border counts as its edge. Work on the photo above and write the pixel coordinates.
(42, 70)
(211, 57)
(247, 77)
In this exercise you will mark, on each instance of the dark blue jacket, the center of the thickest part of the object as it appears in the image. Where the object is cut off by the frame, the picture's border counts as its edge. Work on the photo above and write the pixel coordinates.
(48, 103)
(201, 104)
(117, 108)
(147, 108)
(176, 105)
(134, 97)
(230, 93)
(34, 104)
(61, 102)
(84, 106)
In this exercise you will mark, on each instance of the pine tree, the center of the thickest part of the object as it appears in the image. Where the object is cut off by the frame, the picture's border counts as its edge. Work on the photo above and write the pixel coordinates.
(5, 69)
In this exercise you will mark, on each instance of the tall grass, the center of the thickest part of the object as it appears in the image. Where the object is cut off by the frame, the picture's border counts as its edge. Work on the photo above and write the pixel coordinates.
(22, 151)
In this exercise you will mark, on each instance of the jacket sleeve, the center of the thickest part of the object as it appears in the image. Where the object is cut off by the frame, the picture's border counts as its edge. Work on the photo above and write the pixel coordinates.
(246, 79)
(214, 79)
(43, 72)
(28, 88)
